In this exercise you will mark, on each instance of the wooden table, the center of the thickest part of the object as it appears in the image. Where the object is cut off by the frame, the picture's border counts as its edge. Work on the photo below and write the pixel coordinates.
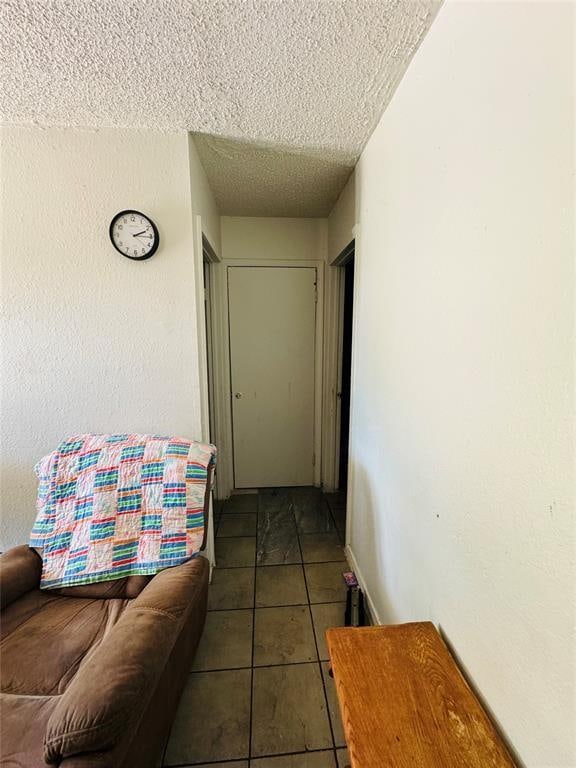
(405, 703)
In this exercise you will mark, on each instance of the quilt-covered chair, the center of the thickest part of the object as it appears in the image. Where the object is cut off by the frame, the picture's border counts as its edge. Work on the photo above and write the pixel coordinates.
(93, 664)
(94, 681)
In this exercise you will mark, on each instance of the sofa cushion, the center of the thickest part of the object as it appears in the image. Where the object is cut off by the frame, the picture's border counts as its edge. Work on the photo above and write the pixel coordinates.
(110, 693)
(45, 639)
(23, 722)
(20, 570)
(128, 587)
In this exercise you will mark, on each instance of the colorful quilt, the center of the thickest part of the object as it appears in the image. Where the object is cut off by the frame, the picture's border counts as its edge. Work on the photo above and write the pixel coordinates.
(111, 506)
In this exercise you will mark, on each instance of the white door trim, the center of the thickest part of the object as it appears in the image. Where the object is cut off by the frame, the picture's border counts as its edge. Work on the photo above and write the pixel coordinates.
(222, 341)
(203, 387)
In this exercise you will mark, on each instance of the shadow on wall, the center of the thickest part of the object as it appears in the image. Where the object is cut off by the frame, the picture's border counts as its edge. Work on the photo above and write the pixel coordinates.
(169, 222)
(470, 680)
(367, 542)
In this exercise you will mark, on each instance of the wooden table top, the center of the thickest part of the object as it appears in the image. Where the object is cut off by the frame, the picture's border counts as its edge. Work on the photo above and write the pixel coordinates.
(405, 703)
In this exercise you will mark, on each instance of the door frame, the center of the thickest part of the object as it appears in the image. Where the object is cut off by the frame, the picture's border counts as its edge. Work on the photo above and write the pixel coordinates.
(209, 258)
(203, 251)
(222, 345)
(333, 366)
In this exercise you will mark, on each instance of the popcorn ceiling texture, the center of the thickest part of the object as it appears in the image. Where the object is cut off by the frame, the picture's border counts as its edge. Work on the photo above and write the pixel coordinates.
(252, 180)
(295, 75)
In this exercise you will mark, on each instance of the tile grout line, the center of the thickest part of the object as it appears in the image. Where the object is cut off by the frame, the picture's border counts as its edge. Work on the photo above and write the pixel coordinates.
(317, 651)
(287, 605)
(243, 759)
(252, 535)
(332, 515)
(343, 542)
(250, 759)
(256, 666)
(216, 524)
(275, 565)
(341, 537)
(253, 636)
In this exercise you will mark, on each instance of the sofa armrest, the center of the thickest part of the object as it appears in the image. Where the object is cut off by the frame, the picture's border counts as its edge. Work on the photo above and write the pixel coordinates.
(112, 689)
(20, 571)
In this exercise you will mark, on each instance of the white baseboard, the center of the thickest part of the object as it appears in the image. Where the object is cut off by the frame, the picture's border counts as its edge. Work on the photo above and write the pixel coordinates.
(354, 565)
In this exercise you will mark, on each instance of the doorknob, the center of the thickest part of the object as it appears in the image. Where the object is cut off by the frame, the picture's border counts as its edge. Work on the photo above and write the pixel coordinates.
(238, 395)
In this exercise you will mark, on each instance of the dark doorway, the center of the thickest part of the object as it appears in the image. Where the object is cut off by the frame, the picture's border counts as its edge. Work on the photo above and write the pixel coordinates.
(346, 372)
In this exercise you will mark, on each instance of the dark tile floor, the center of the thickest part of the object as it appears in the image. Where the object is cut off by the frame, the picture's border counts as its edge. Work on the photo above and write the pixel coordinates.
(259, 693)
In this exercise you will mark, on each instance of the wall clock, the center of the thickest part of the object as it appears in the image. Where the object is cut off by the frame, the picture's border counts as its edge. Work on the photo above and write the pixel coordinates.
(134, 235)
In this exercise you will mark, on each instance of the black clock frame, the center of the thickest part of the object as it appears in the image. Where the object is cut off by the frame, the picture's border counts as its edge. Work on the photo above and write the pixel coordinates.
(154, 248)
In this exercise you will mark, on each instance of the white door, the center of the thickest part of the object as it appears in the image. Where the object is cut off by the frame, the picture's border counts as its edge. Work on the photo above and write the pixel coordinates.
(272, 334)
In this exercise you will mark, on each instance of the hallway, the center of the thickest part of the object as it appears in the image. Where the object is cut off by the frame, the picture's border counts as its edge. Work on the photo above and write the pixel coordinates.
(259, 693)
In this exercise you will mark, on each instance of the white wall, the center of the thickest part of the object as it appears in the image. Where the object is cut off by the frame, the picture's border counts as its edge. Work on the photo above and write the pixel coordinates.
(273, 238)
(203, 202)
(342, 220)
(91, 340)
(462, 444)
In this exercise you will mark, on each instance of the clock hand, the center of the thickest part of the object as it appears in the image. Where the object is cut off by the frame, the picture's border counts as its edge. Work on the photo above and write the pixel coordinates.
(138, 233)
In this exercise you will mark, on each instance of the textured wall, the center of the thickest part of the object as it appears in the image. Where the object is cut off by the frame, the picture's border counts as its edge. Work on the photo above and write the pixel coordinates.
(463, 391)
(90, 340)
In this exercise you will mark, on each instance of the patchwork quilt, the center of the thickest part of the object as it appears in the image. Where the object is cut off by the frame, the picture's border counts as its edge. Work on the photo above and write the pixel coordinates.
(111, 506)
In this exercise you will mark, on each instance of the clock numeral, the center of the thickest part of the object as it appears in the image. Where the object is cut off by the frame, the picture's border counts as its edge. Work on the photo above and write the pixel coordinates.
(140, 240)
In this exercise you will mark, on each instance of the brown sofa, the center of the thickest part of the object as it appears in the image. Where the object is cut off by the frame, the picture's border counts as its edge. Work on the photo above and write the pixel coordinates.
(94, 681)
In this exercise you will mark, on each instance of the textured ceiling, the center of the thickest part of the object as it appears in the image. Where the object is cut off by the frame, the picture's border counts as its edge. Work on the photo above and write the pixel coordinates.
(304, 81)
(257, 180)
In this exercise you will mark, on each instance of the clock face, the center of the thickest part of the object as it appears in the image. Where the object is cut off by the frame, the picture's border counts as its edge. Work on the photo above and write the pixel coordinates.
(134, 235)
